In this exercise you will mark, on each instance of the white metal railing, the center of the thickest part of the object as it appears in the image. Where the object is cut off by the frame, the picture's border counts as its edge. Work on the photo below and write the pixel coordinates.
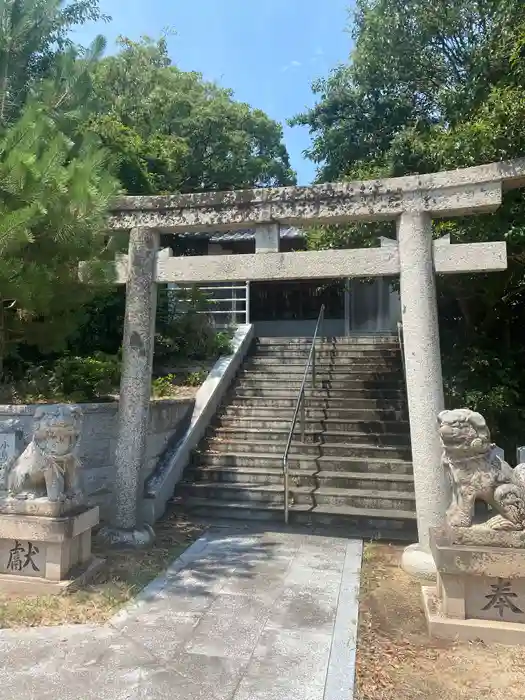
(228, 303)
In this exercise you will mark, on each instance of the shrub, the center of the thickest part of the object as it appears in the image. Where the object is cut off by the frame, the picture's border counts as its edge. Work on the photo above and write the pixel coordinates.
(191, 337)
(196, 378)
(223, 343)
(163, 386)
(70, 378)
(85, 378)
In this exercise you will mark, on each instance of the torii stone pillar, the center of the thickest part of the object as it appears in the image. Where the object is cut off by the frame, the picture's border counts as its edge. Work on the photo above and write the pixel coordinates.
(126, 528)
(424, 382)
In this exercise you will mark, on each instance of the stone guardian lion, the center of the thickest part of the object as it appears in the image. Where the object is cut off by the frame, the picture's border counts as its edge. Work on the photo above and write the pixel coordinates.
(478, 473)
(48, 467)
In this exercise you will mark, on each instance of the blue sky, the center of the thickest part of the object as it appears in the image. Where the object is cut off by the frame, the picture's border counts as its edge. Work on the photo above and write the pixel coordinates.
(267, 51)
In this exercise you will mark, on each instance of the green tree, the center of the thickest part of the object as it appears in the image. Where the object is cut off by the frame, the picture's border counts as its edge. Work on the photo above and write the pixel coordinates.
(34, 36)
(54, 197)
(55, 185)
(433, 86)
(172, 131)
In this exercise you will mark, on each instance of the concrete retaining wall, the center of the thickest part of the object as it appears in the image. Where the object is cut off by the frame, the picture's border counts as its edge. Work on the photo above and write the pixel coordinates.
(168, 422)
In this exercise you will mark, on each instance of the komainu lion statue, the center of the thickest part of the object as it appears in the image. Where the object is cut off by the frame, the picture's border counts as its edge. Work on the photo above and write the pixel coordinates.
(478, 473)
(49, 466)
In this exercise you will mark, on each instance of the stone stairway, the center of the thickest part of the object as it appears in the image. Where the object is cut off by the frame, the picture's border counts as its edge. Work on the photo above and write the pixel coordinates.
(353, 470)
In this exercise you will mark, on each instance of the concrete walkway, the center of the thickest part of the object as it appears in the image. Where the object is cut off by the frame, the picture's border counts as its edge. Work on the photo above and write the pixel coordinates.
(240, 616)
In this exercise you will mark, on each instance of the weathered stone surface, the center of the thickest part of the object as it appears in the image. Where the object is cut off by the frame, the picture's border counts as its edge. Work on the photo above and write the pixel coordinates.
(36, 506)
(469, 257)
(477, 560)
(132, 538)
(417, 561)
(11, 435)
(488, 631)
(277, 266)
(466, 257)
(46, 529)
(139, 332)
(413, 201)
(49, 467)
(423, 370)
(481, 584)
(22, 557)
(499, 599)
(46, 550)
(483, 561)
(96, 449)
(478, 473)
(267, 239)
(479, 536)
(449, 193)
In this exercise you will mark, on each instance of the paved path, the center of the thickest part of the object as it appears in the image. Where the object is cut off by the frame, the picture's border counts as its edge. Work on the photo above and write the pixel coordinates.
(240, 616)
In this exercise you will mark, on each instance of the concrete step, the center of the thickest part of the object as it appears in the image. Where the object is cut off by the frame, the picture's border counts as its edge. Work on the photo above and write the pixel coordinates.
(327, 350)
(346, 464)
(354, 522)
(359, 340)
(303, 495)
(253, 411)
(252, 397)
(303, 345)
(338, 449)
(345, 369)
(322, 381)
(316, 437)
(272, 360)
(289, 392)
(312, 478)
(350, 370)
(326, 360)
(241, 422)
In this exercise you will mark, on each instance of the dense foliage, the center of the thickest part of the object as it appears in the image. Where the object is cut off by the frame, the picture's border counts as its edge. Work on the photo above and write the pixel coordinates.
(173, 131)
(55, 180)
(76, 128)
(433, 86)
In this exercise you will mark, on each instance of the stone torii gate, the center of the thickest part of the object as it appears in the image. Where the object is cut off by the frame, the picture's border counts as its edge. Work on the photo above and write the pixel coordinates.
(411, 201)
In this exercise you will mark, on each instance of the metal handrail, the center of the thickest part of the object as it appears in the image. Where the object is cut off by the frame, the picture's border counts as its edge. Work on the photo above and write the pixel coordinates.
(401, 347)
(300, 408)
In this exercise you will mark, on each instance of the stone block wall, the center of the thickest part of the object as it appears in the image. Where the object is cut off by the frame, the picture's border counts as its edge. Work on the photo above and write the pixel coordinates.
(168, 421)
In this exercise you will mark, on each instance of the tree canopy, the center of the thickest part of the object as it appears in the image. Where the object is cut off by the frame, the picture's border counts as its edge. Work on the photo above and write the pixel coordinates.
(173, 131)
(428, 87)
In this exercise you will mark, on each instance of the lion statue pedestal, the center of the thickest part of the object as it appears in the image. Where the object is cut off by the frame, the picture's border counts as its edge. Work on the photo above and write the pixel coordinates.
(45, 526)
(480, 559)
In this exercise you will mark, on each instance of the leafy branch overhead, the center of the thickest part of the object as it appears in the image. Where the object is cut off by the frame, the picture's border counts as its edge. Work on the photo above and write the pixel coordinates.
(173, 131)
(429, 87)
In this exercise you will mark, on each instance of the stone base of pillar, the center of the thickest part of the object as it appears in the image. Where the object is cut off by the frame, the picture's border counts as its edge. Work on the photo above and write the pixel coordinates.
(139, 538)
(419, 563)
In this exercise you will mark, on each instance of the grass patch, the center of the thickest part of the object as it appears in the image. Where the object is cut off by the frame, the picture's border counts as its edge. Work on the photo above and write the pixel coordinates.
(125, 573)
(396, 659)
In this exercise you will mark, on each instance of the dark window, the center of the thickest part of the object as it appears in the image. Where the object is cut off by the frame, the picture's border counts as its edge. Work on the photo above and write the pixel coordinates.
(296, 300)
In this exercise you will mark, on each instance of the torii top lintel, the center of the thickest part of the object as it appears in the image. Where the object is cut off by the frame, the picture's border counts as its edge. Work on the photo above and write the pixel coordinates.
(451, 193)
